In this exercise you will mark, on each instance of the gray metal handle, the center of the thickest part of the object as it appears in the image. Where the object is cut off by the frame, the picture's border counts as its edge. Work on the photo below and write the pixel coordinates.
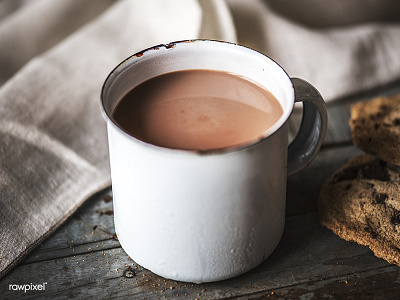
(305, 146)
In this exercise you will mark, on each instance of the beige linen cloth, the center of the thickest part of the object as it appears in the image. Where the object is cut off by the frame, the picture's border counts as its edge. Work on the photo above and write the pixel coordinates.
(55, 56)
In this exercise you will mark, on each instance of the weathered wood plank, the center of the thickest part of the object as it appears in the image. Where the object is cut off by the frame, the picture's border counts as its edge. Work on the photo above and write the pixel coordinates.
(376, 284)
(307, 254)
(92, 222)
(91, 228)
(303, 188)
(53, 253)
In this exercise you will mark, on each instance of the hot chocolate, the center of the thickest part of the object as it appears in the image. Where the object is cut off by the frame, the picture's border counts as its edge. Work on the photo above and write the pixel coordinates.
(198, 110)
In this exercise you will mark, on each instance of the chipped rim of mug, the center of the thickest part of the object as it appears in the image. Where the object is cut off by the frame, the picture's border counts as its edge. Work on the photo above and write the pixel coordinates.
(107, 115)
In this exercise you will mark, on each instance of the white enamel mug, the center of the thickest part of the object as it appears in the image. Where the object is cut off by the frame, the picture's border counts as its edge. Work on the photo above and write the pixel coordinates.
(201, 216)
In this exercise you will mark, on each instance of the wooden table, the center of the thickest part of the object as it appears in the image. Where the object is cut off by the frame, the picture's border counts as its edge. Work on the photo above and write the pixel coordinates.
(83, 259)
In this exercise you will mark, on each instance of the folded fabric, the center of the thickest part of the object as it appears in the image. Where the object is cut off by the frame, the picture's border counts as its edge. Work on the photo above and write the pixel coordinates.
(39, 25)
(55, 56)
(341, 55)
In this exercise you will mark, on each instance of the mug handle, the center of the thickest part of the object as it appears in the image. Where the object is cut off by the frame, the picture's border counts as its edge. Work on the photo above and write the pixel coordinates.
(306, 144)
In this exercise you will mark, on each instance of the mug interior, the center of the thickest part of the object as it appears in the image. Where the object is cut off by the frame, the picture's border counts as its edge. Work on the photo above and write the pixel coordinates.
(199, 54)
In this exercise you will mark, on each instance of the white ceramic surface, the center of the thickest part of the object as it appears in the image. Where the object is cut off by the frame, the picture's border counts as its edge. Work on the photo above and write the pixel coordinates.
(199, 216)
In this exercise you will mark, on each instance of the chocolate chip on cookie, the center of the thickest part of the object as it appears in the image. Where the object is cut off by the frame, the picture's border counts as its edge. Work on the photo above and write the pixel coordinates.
(375, 127)
(361, 203)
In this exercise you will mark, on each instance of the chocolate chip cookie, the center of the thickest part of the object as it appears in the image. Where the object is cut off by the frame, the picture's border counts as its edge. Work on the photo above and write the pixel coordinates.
(361, 203)
(375, 127)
